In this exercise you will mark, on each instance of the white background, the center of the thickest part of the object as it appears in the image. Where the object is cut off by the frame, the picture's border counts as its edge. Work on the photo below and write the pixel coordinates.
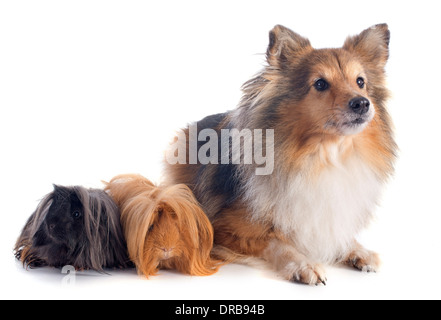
(91, 89)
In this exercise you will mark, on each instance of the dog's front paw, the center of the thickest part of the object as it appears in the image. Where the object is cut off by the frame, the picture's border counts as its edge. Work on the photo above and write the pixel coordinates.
(307, 274)
(364, 260)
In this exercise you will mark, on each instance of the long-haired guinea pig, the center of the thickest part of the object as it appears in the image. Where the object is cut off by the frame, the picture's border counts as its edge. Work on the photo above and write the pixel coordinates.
(165, 228)
(74, 226)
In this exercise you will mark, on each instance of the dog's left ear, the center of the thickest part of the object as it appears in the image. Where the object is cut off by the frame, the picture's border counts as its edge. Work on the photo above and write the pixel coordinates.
(372, 45)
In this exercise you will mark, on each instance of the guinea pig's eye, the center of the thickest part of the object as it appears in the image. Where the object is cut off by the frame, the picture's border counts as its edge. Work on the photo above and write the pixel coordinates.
(151, 227)
(76, 215)
(360, 82)
(321, 85)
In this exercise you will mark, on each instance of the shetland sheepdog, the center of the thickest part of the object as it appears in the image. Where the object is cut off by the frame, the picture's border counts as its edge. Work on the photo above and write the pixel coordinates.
(333, 150)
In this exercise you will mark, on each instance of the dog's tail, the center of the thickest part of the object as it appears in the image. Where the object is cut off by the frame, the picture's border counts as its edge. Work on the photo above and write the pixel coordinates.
(229, 256)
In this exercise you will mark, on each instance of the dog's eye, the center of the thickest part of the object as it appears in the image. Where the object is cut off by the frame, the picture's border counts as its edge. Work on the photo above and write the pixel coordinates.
(360, 82)
(76, 215)
(321, 85)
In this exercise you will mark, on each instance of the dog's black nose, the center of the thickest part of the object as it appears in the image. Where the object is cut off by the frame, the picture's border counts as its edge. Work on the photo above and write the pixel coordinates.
(359, 105)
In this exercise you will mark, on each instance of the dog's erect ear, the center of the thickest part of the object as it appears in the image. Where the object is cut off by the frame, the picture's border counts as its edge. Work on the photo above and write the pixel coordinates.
(372, 45)
(284, 46)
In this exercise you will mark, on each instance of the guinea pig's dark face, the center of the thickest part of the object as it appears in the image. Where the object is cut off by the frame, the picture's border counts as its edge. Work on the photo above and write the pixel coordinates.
(64, 221)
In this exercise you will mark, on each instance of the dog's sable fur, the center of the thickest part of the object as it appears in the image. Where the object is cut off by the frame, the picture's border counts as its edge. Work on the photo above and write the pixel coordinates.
(74, 226)
(165, 227)
(333, 154)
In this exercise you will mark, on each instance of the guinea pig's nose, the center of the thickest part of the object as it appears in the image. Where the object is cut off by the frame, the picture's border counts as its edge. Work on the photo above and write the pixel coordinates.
(167, 252)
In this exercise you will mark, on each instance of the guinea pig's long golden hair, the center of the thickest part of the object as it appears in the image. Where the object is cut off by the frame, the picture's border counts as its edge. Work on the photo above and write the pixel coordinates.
(164, 226)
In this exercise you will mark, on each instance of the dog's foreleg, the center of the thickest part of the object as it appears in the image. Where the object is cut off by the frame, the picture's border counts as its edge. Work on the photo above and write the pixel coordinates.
(293, 265)
(363, 259)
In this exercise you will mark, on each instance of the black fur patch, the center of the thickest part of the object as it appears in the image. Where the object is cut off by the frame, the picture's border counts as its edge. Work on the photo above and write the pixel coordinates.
(224, 176)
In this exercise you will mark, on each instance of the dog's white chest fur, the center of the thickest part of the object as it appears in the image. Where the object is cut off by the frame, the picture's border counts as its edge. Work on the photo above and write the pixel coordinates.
(322, 214)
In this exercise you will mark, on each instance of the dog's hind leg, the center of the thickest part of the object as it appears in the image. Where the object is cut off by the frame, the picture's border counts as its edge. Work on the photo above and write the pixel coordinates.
(236, 237)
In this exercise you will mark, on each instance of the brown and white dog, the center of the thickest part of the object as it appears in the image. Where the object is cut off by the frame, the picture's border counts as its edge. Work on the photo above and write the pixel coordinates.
(332, 150)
